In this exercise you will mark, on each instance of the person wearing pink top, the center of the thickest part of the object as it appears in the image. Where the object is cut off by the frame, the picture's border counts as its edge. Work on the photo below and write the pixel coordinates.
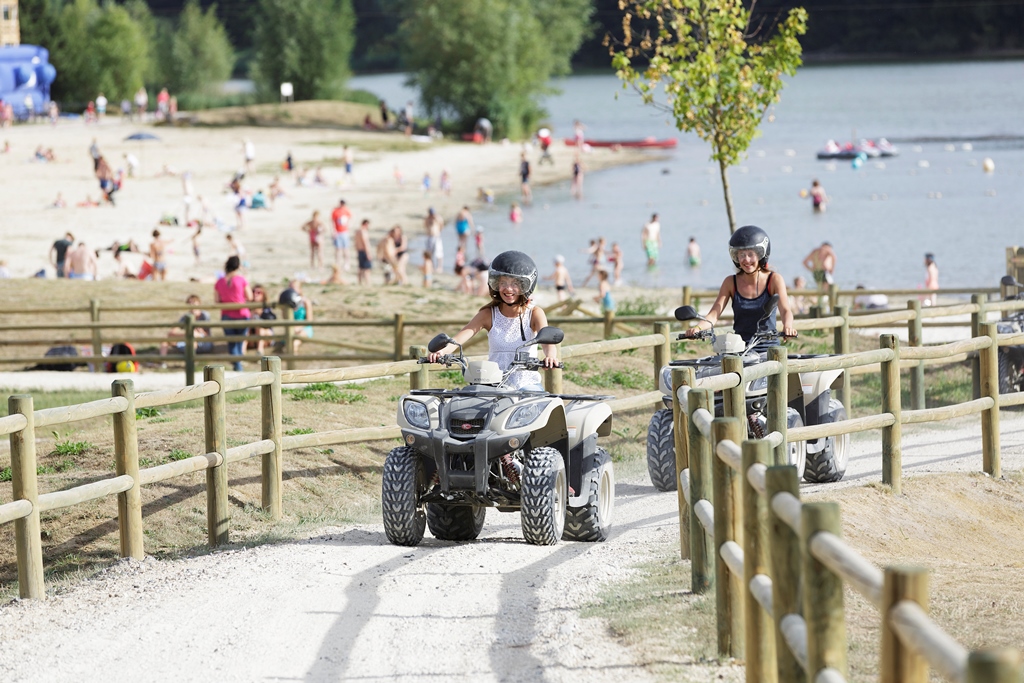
(234, 288)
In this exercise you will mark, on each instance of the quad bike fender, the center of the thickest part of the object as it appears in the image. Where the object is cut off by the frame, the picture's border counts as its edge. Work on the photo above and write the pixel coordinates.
(585, 418)
(432, 404)
(804, 388)
(583, 469)
(547, 428)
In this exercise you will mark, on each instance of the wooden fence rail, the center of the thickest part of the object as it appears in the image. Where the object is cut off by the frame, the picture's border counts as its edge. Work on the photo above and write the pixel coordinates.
(128, 478)
(752, 542)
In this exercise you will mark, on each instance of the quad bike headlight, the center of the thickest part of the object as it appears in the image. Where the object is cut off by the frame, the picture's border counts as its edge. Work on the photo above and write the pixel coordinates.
(524, 415)
(416, 413)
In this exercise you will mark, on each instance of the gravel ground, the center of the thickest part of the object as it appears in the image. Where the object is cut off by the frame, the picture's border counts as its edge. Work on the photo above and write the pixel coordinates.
(346, 605)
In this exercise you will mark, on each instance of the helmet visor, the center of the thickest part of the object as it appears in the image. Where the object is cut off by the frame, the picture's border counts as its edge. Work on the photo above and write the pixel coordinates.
(758, 250)
(498, 280)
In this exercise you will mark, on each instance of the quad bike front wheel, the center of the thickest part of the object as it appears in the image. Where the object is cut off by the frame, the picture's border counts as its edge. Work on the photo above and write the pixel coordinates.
(455, 522)
(593, 521)
(1007, 374)
(544, 496)
(403, 482)
(661, 451)
(829, 464)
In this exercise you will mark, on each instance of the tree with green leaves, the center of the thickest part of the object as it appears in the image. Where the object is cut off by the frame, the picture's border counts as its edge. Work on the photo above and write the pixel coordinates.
(720, 74)
(196, 54)
(121, 51)
(491, 58)
(306, 43)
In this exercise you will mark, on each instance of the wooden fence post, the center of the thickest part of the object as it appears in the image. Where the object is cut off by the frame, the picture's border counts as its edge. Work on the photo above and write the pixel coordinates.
(216, 442)
(687, 295)
(27, 541)
(97, 336)
(289, 338)
(662, 352)
(989, 366)
(777, 407)
(399, 335)
(892, 454)
(702, 544)
(734, 403)
(833, 297)
(681, 377)
(823, 594)
(728, 588)
(976, 320)
(553, 376)
(270, 412)
(786, 564)
(842, 345)
(915, 337)
(900, 664)
(994, 666)
(126, 461)
(609, 324)
(190, 349)
(760, 641)
(420, 379)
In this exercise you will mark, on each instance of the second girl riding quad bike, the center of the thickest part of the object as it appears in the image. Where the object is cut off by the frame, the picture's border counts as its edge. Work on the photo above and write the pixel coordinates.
(484, 445)
(810, 402)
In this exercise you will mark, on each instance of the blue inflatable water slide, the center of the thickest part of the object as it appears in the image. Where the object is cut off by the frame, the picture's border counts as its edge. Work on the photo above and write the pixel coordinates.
(25, 78)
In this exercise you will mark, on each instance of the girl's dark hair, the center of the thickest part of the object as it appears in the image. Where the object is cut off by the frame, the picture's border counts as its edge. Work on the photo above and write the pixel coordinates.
(233, 263)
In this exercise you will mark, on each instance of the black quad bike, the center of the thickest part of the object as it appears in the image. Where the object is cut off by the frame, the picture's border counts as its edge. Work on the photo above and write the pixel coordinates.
(1011, 358)
(810, 401)
(485, 445)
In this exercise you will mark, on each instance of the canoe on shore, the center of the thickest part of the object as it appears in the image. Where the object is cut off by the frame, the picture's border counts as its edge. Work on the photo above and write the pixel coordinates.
(653, 143)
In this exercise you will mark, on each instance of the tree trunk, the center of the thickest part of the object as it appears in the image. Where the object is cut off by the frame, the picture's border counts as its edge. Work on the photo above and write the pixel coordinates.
(724, 170)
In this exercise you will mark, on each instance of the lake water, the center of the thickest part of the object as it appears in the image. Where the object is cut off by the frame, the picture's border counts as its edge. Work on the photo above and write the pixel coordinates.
(882, 218)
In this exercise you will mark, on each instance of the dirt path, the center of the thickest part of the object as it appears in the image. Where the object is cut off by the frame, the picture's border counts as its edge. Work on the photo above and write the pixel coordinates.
(347, 605)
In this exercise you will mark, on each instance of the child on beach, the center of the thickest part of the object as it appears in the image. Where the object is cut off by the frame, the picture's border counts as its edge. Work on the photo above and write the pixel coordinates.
(515, 214)
(563, 283)
(315, 229)
(604, 292)
(693, 252)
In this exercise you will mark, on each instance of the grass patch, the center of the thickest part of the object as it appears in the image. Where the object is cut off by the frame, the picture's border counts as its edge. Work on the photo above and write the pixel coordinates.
(178, 454)
(66, 447)
(300, 430)
(145, 413)
(640, 305)
(241, 396)
(608, 379)
(5, 474)
(325, 392)
(453, 376)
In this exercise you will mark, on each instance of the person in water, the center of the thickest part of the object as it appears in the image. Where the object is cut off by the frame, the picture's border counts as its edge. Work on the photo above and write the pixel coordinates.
(751, 287)
(510, 318)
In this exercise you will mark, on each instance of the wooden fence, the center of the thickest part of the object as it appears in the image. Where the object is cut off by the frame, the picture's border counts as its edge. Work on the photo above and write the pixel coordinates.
(96, 333)
(778, 567)
(23, 422)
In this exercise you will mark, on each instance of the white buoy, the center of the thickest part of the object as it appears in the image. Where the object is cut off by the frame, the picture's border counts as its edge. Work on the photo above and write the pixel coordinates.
(790, 152)
(880, 165)
(830, 166)
(967, 147)
(917, 148)
(760, 153)
(988, 166)
(950, 148)
(923, 163)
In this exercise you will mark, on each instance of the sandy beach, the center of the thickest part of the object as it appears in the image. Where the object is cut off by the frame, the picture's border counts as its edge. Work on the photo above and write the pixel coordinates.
(275, 246)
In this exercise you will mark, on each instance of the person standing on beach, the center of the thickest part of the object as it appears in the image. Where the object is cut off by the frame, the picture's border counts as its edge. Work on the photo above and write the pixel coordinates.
(597, 258)
(822, 264)
(693, 252)
(931, 278)
(157, 252)
(101, 107)
(82, 263)
(578, 134)
(563, 283)
(819, 200)
(524, 177)
(362, 245)
(234, 288)
(59, 253)
(616, 261)
(341, 216)
(432, 226)
(315, 229)
(249, 152)
(349, 157)
(650, 239)
(463, 224)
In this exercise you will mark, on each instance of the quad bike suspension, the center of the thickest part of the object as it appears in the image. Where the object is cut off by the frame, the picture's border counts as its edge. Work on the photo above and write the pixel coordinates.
(511, 467)
(755, 427)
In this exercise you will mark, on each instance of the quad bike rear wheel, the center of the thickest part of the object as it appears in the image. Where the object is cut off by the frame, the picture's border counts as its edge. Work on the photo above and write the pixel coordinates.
(455, 522)
(797, 450)
(829, 464)
(1007, 374)
(544, 496)
(403, 482)
(593, 521)
(661, 451)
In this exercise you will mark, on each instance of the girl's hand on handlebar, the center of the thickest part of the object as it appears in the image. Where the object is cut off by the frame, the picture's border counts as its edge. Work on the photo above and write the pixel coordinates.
(551, 362)
(789, 332)
(435, 356)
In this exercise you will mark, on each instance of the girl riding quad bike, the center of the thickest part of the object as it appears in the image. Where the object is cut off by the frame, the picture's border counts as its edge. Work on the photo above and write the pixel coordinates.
(501, 441)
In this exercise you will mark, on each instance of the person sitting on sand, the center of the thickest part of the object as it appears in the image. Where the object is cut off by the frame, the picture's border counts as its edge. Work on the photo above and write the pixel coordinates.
(59, 202)
(178, 331)
(87, 203)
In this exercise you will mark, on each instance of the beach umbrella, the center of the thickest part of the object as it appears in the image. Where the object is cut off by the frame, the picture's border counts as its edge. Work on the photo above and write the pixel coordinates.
(142, 136)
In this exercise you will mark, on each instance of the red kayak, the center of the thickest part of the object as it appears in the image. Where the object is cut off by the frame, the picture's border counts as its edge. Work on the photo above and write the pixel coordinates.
(652, 143)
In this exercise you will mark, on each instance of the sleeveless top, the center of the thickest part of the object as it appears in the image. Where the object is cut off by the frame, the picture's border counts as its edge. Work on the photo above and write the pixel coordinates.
(505, 336)
(747, 312)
